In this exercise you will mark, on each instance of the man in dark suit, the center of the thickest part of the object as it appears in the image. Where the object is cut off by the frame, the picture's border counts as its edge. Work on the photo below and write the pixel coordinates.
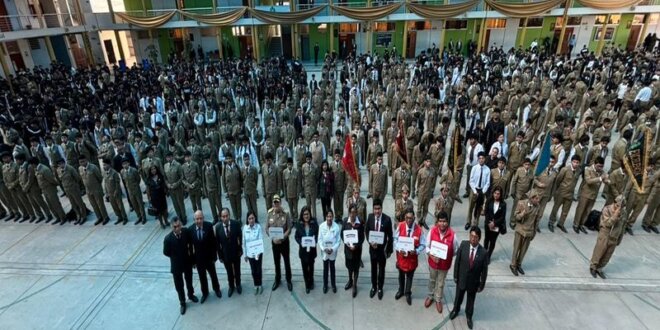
(379, 253)
(229, 237)
(178, 247)
(299, 122)
(470, 272)
(204, 242)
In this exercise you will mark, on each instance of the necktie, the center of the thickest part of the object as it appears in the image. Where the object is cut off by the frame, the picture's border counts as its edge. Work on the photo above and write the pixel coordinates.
(410, 231)
(227, 231)
(471, 154)
(471, 257)
(481, 175)
(378, 224)
(199, 234)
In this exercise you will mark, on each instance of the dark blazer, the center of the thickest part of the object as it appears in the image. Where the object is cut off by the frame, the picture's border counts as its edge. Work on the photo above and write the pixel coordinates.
(357, 253)
(229, 248)
(298, 125)
(466, 278)
(179, 250)
(300, 232)
(206, 249)
(498, 217)
(382, 251)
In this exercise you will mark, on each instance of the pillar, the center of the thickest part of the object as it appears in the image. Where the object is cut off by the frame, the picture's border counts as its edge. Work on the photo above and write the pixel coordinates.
(120, 47)
(85, 35)
(441, 44)
(644, 29)
(522, 34)
(482, 32)
(5, 67)
(404, 46)
(218, 35)
(601, 40)
(563, 26)
(331, 44)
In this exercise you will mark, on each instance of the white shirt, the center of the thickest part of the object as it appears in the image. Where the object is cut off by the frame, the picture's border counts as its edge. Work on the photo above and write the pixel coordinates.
(475, 158)
(479, 172)
(329, 234)
(644, 94)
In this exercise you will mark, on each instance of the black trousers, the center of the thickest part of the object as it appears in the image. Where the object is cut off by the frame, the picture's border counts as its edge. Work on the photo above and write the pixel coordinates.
(178, 284)
(308, 272)
(329, 267)
(405, 281)
(489, 241)
(326, 204)
(202, 269)
(479, 205)
(377, 273)
(255, 268)
(233, 268)
(282, 251)
(469, 306)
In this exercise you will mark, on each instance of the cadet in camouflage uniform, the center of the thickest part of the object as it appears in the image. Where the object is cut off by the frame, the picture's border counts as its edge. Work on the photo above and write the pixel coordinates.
(112, 183)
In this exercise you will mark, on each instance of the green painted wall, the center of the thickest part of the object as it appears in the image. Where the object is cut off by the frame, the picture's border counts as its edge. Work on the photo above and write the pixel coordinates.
(198, 4)
(539, 33)
(226, 35)
(397, 38)
(623, 32)
(466, 34)
(164, 43)
(136, 5)
(323, 38)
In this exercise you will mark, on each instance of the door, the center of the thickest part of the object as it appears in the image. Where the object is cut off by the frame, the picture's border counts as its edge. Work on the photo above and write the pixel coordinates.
(633, 37)
(412, 43)
(243, 43)
(304, 47)
(286, 40)
(346, 41)
(487, 40)
(110, 51)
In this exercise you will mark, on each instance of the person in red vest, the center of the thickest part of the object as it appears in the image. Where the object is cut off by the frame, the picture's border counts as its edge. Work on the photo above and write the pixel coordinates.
(441, 246)
(406, 259)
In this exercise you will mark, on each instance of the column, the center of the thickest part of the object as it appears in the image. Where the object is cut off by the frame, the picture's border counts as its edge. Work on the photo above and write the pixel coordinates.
(218, 35)
(120, 47)
(522, 34)
(644, 29)
(85, 35)
(331, 44)
(441, 44)
(601, 40)
(5, 67)
(563, 26)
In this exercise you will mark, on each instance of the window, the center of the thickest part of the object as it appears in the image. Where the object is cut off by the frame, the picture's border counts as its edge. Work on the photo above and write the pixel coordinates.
(614, 19)
(532, 22)
(654, 18)
(609, 33)
(419, 26)
(572, 20)
(323, 28)
(384, 26)
(456, 24)
(496, 23)
(638, 19)
(348, 27)
(241, 31)
(383, 39)
(208, 32)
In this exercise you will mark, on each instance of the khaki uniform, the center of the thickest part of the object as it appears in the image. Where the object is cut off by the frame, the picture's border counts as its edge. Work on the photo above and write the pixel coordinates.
(635, 200)
(425, 185)
(131, 179)
(400, 178)
(71, 183)
(231, 181)
(10, 173)
(292, 187)
(174, 182)
(520, 185)
(112, 183)
(361, 204)
(652, 215)
(212, 182)
(6, 197)
(192, 181)
(316, 149)
(563, 195)
(611, 231)
(250, 177)
(340, 188)
(452, 181)
(372, 152)
(444, 204)
(310, 177)
(588, 193)
(544, 185)
(270, 180)
(517, 152)
(618, 180)
(92, 178)
(526, 219)
(400, 206)
(618, 153)
(500, 178)
(48, 184)
(30, 187)
(146, 166)
(378, 181)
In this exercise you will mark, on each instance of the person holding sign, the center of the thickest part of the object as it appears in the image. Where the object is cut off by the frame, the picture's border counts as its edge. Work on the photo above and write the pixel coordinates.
(495, 223)
(306, 233)
(353, 236)
(278, 229)
(408, 240)
(253, 245)
(229, 236)
(378, 232)
(329, 241)
(441, 246)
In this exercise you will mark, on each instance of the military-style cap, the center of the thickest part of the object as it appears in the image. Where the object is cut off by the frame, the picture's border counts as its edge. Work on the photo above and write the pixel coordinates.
(405, 188)
(276, 198)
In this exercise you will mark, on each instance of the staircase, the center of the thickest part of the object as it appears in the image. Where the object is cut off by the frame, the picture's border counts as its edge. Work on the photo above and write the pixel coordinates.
(275, 46)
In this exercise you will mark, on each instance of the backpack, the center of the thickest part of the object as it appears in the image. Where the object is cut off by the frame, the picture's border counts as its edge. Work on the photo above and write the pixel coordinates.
(593, 220)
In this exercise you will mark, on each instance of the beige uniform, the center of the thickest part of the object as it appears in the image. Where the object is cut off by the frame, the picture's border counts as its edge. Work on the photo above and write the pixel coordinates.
(378, 181)
(563, 195)
(588, 193)
(270, 180)
(426, 178)
(231, 181)
(525, 216)
(131, 178)
(520, 185)
(310, 177)
(112, 183)
(48, 184)
(609, 236)
(92, 178)
(292, 187)
(340, 188)
(212, 183)
(192, 181)
(28, 182)
(174, 181)
(250, 177)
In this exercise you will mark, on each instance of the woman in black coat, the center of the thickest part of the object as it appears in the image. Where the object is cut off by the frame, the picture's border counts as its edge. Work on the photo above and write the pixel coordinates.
(495, 224)
(353, 252)
(157, 191)
(307, 227)
(326, 186)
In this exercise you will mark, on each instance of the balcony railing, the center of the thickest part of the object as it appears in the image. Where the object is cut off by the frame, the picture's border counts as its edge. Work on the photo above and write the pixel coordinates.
(33, 22)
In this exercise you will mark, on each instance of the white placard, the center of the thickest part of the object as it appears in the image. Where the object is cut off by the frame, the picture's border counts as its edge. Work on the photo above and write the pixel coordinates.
(377, 237)
(350, 236)
(255, 248)
(438, 250)
(405, 244)
(308, 241)
(328, 245)
(276, 233)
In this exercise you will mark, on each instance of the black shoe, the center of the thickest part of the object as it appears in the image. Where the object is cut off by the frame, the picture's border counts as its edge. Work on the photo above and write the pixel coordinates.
(629, 231)
(601, 274)
(467, 226)
(466, 195)
(25, 218)
(551, 228)
(41, 218)
(218, 294)
(398, 295)
(514, 270)
(139, 221)
(368, 196)
(593, 272)
(125, 222)
(193, 298)
(276, 285)
(355, 291)
(230, 293)
(453, 314)
(183, 309)
(361, 264)
(239, 289)
(98, 222)
(469, 323)
(289, 286)
(409, 300)
(118, 222)
(325, 289)
(423, 224)
(380, 294)
(538, 229)
(334, 289)
(562, 228)
(459, 201)
(655, 229)
(307, 291)
(348, 285)
(520, 270)
(204, 296)
(106, 221)
(57, 221)
(646, 228)
(576, 229)
(49, 219)
(583, 229)
(372, 293)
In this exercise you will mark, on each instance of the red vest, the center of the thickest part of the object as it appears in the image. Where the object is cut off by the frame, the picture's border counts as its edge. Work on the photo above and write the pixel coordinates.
(408, 263)
(447, 239)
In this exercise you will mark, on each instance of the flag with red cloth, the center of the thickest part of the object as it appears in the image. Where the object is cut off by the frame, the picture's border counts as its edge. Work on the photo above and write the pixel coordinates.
(401, 143)
(349, 162)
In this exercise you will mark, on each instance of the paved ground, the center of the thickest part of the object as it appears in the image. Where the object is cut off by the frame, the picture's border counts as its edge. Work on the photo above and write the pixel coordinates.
(115, 277)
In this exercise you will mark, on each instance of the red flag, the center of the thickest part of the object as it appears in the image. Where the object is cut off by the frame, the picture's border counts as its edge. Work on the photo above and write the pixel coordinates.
(401, 143)
(348, 161)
